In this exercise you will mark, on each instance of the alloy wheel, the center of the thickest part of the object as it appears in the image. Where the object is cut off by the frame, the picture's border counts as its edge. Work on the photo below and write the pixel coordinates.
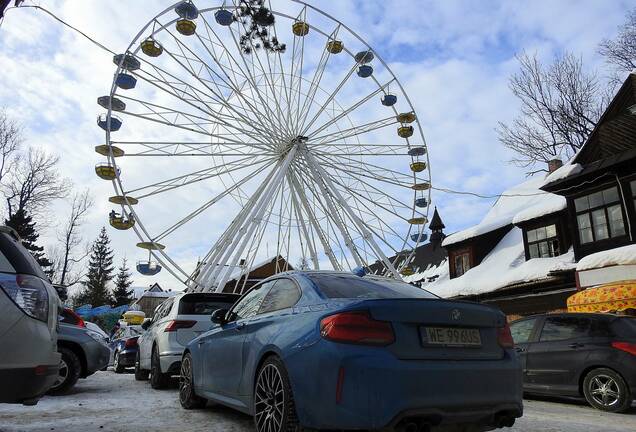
(270, 400)
(62, 374)
(185, 380)
(605, 390)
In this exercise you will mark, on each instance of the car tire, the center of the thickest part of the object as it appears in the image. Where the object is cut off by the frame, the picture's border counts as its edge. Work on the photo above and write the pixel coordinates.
(140, 374)
(158, 380)
(116, 365)
(606, 390)
(69, 373)
(271, 374)
(187, 397)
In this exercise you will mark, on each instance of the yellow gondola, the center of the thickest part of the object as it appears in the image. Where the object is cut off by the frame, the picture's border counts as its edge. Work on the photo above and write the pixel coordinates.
(300, 28)
(121, 200)
(106, 171)
(418, 166)
(335, 46)
(120, 223)
(407, 271)
(405, 131)
(151, 48)
(151, 246)
(418, 221)
(408, 117)
(421, 186)
(186, 27)
(105, 150)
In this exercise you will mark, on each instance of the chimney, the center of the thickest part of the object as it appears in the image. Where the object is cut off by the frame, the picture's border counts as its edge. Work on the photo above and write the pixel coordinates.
(554, 165)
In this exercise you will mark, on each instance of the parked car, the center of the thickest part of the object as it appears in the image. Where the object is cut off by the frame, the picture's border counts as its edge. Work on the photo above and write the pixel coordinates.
(84, 352)
(175, 323)
(124, 347)
(577, 354)
(331, 350)
(29, 360)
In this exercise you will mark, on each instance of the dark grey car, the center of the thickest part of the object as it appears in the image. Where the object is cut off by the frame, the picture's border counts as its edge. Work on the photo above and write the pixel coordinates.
(84, 352)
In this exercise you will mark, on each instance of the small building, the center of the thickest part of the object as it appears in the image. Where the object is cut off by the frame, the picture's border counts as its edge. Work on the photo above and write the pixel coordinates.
(246, 279)
(150, 298)
(428, 258)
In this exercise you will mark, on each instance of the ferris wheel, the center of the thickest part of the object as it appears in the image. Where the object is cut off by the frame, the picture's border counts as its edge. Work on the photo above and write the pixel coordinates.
(249, 130)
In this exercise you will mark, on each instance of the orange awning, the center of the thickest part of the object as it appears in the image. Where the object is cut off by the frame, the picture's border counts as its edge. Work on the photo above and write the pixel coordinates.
(612, 297)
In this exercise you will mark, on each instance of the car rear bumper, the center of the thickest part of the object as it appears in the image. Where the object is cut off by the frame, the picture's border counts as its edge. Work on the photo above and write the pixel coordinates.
(170, 362)
(369, 388)
(26, 385)
(97, 356)
(127, 358)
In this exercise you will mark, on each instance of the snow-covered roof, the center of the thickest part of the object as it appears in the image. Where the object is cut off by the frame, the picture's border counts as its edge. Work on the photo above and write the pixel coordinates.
(524, 198)
(505, 265)
(162, 294)
(430, 271)
(625, 255)
(565, 171)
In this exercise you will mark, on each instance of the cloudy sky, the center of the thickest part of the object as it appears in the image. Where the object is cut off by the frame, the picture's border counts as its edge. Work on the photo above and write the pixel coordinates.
(454, 59)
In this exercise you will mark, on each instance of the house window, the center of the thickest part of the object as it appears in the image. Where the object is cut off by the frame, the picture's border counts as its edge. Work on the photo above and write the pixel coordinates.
(462, 263)
(599, 216)
(543, 242)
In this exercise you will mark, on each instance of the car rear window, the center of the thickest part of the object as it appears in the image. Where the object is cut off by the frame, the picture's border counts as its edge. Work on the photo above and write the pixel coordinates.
(195, 305)
(625, 327)
(354, 287)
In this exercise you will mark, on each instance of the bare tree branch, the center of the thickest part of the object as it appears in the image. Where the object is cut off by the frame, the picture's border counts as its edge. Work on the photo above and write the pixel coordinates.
(10, 141)
(560, 104)
(620, 52)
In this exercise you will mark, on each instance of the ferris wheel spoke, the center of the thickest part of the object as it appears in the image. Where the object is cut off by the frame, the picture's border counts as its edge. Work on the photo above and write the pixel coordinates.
(331, 97)
(194, 74)
(330, 218)
(197, 176)
(315, 166)
(192, 149)
(167, 82)
(369, 167)
(352, 108)
(306, 205)
(354, 131)
(302, 226)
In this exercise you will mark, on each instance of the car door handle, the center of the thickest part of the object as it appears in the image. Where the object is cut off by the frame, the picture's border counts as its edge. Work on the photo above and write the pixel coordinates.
(240, 326)
(576, 345)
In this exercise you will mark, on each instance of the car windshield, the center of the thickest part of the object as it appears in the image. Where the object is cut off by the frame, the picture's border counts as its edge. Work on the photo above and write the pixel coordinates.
(195, 305)
(354, 287)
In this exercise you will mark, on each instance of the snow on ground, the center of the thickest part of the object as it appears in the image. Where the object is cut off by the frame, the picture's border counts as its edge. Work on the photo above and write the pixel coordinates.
(505, 265)
(107, 402)
(625, 255)
(513, 201)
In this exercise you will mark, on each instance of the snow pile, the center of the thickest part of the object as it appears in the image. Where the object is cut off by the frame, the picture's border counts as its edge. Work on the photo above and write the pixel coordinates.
(550, 204)
(430, 271)
(505, 265)
(565, 171)
(514, 201)
(625, 255)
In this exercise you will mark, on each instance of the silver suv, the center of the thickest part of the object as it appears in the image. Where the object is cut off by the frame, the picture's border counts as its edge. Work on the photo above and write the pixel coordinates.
(175, 323)
(29, 361)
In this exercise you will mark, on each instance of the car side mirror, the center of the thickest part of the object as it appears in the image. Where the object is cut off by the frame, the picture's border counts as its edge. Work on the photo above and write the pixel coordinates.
(147, 323)
(218, 316)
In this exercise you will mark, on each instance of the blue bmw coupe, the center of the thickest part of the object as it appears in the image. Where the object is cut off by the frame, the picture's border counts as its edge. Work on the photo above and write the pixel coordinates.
(331, 350)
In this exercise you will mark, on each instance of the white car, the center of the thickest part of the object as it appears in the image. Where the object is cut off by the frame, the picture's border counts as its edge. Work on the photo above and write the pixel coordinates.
(174, 324)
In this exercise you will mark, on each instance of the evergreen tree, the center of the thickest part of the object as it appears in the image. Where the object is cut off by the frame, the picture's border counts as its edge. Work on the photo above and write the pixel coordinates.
(122, 294)
(24, 225)
(100, 273)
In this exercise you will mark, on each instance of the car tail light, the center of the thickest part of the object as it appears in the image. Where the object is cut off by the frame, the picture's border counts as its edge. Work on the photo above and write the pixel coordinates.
(504, 337)
(78, 319)
(175, 325)
(625, 346)
(356, 328)
(28, 293)
(132, 342)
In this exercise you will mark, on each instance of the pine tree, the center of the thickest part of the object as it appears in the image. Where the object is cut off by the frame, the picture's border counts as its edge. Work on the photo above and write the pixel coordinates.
(100, 273)
(122, 295)
(24, 225)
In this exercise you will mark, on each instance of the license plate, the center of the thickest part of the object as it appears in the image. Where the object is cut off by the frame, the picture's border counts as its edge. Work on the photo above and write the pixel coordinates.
(451, 336)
